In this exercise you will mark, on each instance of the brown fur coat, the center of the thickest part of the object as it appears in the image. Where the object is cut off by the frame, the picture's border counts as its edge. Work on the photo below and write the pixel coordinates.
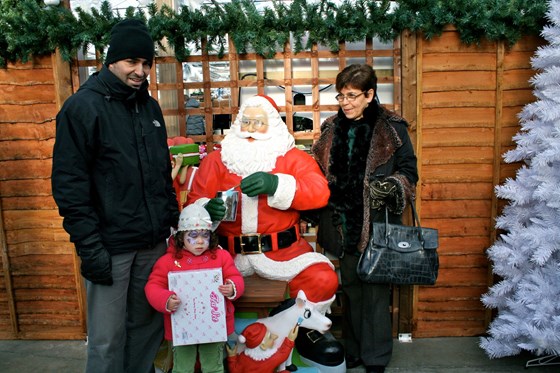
(388, 155)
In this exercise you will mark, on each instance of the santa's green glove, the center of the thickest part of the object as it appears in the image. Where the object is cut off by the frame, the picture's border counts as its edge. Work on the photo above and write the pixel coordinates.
(382, 193)
(259, 183)
(216, 208)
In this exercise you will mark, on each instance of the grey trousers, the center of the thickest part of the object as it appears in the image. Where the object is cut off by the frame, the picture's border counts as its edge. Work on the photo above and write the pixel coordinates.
(124, 331)
(367, 320)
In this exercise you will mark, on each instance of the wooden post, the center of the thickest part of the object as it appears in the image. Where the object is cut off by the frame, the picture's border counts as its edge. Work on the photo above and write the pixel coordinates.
(62, 75)
(168, 99)
(63, 79)
(288, 93)
(8, 282)
(406, 102)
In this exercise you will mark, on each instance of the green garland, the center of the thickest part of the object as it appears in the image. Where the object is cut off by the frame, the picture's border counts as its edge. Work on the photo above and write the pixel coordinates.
(28, 28)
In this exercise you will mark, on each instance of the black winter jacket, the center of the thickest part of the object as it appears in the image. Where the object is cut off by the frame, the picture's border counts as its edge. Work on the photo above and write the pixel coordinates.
(111, 176)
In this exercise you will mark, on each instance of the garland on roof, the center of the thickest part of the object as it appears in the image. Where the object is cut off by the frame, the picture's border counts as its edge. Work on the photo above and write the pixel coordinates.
(29, 28)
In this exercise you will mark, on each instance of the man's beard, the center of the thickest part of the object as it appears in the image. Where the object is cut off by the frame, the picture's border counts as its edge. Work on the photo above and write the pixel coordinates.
(244, 157)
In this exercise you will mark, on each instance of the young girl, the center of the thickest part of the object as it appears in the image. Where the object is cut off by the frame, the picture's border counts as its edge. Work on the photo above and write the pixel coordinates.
(194, 246)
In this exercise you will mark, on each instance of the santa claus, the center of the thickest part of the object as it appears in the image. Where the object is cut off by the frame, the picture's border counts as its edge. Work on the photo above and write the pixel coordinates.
(261, 353)
(276, 181)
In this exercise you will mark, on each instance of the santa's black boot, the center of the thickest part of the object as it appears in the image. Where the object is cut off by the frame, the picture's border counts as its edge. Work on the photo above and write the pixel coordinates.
(322, 351)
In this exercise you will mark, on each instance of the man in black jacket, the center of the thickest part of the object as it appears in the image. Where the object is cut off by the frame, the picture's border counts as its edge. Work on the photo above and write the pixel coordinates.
(111, 180)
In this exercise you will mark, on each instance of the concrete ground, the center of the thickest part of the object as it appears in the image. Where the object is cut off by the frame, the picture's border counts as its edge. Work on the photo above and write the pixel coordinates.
(426, 355)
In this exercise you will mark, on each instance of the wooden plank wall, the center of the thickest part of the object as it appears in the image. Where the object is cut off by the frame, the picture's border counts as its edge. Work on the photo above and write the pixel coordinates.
(39, 297)
(469, 98)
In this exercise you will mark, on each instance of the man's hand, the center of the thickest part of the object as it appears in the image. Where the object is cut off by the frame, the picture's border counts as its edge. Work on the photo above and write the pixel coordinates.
(216, 208)
(259, 183)
(96, 263)
(381, 193)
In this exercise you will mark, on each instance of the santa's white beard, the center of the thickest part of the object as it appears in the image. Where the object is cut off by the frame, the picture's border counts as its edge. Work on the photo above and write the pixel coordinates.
(244, 157)
(259, 354)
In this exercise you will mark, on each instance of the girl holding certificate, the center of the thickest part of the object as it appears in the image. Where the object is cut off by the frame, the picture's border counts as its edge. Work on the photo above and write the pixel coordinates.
(194, 247)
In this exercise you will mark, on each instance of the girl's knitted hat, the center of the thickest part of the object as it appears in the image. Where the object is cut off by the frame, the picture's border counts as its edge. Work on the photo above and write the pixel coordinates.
(194, 217)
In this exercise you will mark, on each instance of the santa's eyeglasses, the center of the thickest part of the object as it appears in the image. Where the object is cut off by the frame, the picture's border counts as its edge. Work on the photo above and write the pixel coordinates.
(255, 123)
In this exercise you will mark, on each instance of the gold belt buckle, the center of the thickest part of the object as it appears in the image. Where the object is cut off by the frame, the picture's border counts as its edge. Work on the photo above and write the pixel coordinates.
(242, 244)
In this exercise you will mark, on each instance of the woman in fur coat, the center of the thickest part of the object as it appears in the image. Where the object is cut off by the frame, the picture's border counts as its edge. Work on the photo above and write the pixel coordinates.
(368, 158)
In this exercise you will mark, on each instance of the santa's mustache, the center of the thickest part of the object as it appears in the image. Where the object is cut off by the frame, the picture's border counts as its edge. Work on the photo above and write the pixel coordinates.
(254, 135)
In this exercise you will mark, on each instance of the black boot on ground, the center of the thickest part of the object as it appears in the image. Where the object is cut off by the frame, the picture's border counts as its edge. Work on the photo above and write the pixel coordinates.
(322, 350)
(353, 361)
(375, 369)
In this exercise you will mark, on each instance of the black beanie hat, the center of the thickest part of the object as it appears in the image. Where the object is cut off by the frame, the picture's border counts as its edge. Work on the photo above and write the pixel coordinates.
(130, 39)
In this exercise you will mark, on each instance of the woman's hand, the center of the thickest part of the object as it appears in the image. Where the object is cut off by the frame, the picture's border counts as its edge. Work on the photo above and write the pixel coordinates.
(382, 193)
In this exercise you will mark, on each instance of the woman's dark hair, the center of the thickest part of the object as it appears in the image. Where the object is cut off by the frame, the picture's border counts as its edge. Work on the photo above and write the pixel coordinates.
(357, 76)
(180, 242)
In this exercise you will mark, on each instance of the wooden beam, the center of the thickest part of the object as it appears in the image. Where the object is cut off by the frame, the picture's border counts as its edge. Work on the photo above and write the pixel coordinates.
(8, 280)
(405, 73)
(62, 74)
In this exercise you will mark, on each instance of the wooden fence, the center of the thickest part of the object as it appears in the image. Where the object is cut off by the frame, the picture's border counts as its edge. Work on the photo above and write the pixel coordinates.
(461, 102)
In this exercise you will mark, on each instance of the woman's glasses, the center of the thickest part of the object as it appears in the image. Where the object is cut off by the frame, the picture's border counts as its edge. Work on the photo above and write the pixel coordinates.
(350, 97)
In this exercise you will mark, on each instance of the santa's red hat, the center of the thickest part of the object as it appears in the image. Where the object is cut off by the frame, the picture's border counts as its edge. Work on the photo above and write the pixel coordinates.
(272, 102)
(253, 335)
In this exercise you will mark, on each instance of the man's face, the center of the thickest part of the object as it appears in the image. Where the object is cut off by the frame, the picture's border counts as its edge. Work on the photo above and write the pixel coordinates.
(132, 71)
(254, 123)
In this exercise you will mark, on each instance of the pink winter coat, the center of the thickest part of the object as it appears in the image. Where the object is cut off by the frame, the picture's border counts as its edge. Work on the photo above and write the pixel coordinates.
(157, 288)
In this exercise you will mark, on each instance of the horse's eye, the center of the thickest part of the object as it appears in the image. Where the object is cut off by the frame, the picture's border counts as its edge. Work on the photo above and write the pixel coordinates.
(307, 313)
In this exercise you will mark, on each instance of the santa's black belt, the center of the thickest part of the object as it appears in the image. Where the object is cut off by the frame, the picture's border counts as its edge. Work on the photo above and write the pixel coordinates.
(259, 243)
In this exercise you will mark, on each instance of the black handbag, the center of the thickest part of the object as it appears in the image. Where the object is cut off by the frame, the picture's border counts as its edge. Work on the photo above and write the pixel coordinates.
(400, 254)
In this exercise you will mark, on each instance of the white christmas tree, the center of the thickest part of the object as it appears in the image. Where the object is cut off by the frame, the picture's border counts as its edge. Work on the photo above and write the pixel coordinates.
(527, 256)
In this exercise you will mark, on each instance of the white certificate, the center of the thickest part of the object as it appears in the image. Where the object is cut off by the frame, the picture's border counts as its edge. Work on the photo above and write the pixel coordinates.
(201, 316)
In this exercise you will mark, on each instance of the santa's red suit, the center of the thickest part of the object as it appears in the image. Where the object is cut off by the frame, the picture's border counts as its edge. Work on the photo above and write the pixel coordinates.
(243, 363)
(301, 186)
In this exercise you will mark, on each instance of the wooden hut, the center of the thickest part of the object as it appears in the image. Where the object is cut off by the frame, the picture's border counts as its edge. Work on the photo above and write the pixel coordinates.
(461, 101)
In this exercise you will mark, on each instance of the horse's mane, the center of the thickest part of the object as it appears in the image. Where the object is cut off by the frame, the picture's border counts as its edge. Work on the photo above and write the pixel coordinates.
(287, 303)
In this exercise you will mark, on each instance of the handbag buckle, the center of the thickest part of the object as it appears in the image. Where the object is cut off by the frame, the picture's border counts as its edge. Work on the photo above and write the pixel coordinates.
(403, 245)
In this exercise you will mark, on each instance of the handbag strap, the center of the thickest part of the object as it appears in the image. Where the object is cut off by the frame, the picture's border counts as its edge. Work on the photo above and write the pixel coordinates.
(415, 220)
(414, 214)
